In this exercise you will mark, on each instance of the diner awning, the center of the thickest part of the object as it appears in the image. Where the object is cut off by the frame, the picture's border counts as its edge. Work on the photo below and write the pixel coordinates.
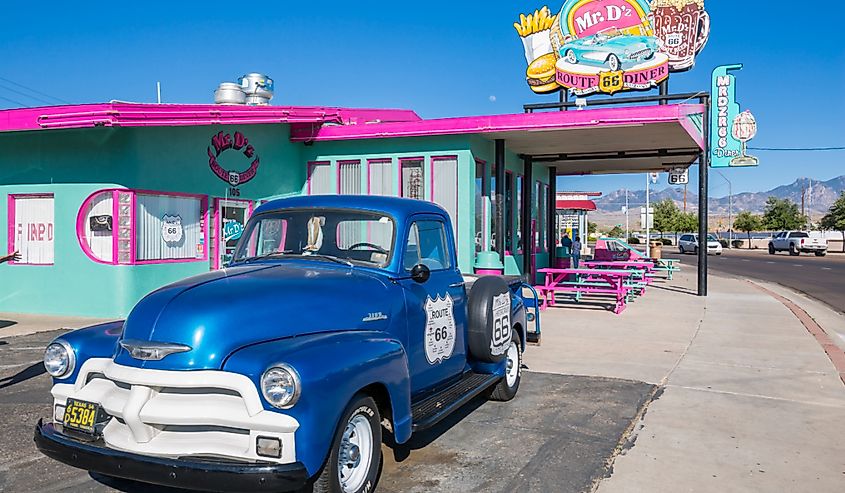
(576, 205)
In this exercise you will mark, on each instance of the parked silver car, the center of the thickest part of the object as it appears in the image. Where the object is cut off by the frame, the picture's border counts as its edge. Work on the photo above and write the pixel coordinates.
(688, 243)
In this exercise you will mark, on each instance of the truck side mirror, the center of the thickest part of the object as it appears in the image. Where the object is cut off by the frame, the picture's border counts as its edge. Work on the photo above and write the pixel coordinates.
(420, 273)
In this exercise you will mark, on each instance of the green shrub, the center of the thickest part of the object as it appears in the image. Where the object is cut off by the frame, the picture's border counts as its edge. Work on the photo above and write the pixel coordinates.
(665, 241)
(724, 243)
(633, 240)
(737, 243)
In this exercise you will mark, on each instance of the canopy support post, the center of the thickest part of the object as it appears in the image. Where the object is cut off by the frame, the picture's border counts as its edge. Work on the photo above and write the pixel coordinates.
(703, 190)
(551, 222)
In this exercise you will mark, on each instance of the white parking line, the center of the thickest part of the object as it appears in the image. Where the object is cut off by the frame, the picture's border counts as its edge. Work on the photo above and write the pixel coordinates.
(746, 260)
(826, 268)
(797, 265)
(770, 262)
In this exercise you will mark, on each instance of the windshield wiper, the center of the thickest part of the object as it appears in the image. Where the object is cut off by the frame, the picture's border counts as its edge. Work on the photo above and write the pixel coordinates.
(266, 255)
(327, 257)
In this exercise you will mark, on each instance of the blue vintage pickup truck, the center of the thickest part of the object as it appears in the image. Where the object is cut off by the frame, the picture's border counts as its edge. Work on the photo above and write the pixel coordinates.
(339, 320)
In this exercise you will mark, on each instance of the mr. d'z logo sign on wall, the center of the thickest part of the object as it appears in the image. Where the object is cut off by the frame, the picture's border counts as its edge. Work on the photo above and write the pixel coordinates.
(220, 144)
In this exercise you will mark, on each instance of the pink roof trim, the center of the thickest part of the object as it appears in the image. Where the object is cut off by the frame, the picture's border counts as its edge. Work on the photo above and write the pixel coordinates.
(556, 120)
(118, 114)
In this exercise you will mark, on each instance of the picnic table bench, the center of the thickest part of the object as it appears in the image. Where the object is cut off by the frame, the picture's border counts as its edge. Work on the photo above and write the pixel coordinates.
(588, 281)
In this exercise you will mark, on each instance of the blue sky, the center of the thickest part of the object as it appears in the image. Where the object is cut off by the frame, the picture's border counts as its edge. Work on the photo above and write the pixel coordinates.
(439, 58)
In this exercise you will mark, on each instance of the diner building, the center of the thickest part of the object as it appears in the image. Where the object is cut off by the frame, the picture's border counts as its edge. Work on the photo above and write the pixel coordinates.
(107, 202)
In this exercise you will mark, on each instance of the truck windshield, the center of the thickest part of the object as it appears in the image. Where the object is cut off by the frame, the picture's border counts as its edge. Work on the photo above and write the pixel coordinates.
(348, 236)
(799, 234)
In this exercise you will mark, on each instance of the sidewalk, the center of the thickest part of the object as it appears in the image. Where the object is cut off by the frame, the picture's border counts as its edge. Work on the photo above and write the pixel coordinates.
(749, 401)
(18, 324)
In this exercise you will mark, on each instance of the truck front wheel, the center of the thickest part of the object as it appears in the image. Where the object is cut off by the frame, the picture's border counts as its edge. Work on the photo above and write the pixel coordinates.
(354, 463)
(507, 387)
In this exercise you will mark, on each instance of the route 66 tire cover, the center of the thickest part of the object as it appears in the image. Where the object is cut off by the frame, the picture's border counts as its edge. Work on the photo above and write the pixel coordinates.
(489, 314)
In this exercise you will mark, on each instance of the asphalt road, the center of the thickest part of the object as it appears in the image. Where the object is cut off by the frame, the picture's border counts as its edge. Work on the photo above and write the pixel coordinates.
(557, 435)
(822, 278)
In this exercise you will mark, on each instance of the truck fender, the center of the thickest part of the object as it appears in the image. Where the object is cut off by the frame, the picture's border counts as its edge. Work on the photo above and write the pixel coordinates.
(333, 368)
(96, 341)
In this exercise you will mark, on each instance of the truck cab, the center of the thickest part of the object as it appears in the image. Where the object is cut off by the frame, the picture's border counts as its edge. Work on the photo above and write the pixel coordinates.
(339, 321)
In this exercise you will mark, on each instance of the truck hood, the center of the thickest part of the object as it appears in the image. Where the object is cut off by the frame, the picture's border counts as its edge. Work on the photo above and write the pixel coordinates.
(219, 312)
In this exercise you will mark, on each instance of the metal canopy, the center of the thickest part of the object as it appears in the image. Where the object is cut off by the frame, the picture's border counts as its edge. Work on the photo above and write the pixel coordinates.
(626, 148)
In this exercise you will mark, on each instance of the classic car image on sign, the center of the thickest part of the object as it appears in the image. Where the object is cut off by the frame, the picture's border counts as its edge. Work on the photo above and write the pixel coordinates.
(338, 320)
(611, 48)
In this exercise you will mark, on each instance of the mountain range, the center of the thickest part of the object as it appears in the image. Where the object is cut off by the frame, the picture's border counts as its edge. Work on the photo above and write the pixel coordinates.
(818, 197)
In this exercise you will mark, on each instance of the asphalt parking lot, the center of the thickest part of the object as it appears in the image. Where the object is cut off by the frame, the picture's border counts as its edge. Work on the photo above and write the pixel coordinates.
(559, 434)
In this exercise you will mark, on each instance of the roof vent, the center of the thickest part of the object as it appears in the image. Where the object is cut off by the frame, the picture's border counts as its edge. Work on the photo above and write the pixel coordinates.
(229, 93)
(258, 89)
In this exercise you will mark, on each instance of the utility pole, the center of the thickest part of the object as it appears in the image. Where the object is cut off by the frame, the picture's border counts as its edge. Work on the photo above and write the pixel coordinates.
(647, 212)
(685, 197)
(627, 229)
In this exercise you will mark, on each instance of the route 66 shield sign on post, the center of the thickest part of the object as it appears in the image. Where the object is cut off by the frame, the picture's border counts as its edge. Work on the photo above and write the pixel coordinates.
(439, 329)
(679, 176)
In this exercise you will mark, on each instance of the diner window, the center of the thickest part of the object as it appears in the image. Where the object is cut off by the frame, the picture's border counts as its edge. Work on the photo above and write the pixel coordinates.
(169, 227)
(413, 184)
(509, 235)
(349, 177)
(519, 182)
(444, 187)
(319, 179)
(380, 177)
(32, 232)
(97, 227)
(482, 192)
(427, 245)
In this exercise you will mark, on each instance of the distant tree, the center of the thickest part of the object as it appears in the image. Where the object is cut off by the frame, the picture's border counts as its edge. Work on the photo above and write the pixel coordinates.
(687, 222)
(666, 216)
(748, 222)
(592, 227)
(782, 214)
(834, 220)
(616, 232)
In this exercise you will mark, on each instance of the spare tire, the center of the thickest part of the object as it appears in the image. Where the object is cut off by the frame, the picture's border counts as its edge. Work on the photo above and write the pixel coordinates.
(489, 319)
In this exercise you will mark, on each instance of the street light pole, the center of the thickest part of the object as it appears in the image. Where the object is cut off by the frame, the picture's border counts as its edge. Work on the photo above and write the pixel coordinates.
(730, 208)
(627, 229)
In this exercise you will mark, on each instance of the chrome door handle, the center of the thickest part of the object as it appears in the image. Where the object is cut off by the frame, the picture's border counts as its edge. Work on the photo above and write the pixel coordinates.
(457, 284)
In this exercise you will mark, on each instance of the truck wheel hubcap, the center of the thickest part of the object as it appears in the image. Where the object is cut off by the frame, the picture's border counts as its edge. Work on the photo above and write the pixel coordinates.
(355, 455)
(513, 364)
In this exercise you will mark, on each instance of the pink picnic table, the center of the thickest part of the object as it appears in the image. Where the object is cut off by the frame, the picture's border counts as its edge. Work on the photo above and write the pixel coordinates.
(556, 280)
(646, 267)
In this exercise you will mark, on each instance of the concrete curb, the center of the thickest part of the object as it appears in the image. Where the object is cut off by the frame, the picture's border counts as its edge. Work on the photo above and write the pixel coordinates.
(834, 353)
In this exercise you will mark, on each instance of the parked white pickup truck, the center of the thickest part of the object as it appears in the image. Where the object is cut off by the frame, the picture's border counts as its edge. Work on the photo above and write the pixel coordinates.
(796, 242)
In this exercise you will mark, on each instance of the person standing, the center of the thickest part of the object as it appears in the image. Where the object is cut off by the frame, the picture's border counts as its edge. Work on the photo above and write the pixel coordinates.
(566, 243)
(576, 252)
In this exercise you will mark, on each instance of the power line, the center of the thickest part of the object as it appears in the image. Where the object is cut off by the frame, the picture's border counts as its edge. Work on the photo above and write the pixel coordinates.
(797, 149)
(35, 91)
(5, 87)
(15, 102)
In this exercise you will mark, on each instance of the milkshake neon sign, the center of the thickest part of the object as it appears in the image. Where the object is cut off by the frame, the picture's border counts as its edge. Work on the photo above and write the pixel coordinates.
(730, 129)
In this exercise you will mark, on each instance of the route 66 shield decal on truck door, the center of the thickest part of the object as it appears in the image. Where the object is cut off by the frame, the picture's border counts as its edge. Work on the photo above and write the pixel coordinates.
(439, 329)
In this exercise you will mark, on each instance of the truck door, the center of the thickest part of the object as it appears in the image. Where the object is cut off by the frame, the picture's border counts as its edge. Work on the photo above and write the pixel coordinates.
(436, 308)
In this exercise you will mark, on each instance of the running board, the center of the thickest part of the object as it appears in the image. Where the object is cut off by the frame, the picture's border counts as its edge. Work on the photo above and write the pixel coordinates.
(432, 410)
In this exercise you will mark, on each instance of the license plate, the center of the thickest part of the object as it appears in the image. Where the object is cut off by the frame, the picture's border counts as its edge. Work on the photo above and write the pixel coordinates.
(81, 415)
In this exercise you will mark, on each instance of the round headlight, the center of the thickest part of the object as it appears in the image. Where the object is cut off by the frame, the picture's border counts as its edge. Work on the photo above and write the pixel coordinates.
(59, 359)
(280, 386)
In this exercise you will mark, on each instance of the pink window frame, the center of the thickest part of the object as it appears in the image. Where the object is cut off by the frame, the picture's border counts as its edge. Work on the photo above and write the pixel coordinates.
(11, 223)
(447, 157)
(370, 162)
(485, 186)
(80, 226)
(402, 160)
(308, 170)
(340, 165)
(215, 215)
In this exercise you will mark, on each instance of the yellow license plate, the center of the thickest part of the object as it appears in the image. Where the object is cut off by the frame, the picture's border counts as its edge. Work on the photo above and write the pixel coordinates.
(81, 415)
